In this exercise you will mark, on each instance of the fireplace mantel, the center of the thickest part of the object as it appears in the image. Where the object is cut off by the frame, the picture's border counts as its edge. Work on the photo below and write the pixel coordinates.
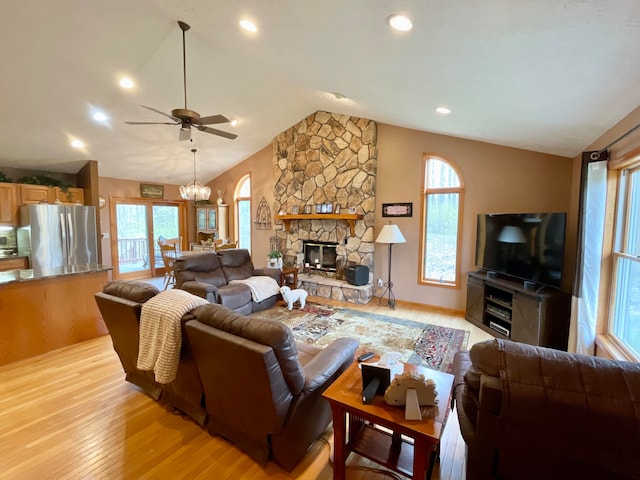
(349, 217)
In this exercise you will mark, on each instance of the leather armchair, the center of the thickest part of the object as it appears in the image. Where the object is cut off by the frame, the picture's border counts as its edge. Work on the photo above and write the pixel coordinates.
(263, 390)
(530, 412)
(120, 304)
(208, 274)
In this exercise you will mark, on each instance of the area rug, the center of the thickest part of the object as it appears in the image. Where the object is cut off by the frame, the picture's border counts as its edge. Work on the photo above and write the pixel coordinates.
(431, 346)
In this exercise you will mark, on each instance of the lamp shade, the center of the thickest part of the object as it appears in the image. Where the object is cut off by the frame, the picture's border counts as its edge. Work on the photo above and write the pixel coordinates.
(510, 234)
(390, 234)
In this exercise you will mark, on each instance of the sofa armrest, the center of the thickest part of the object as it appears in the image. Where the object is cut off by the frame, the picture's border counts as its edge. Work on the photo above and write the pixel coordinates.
(201, 289)
(333, 359)
(269, 272)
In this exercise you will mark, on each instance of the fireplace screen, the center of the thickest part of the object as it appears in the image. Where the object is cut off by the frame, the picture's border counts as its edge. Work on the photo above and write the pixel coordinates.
(320, 255)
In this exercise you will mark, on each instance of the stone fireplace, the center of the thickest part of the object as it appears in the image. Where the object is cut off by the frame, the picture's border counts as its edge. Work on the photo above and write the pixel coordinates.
(327, 158)
(320, 256)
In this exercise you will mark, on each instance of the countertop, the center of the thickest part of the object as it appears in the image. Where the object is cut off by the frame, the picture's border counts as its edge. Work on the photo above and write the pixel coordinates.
(28, 275)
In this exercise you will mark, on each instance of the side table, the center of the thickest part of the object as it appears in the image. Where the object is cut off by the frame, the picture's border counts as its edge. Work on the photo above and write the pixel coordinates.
(289, 277)
(388, 449)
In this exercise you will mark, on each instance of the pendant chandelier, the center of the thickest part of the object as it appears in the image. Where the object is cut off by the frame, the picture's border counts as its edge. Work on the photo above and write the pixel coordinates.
(194, 191)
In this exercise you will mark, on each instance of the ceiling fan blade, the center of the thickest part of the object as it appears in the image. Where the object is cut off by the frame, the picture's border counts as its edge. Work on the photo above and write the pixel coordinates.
(215, 131)
(185, 133)
(151, 123)
(161, 113)
(210, 120)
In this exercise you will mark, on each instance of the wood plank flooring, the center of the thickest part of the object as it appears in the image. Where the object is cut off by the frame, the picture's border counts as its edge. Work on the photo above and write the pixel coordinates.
(69, 414)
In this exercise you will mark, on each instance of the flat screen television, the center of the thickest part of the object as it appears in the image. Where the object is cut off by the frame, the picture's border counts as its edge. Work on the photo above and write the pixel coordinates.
(528, 246)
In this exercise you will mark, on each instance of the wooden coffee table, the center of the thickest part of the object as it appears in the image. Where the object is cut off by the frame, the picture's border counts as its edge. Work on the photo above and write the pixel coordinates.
(392, 445)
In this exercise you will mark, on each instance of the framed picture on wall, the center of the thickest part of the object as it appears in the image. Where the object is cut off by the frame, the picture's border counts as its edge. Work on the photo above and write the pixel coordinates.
(307, 209)
(318, 208)
(329, 207)
(294, 210)
(397, 209)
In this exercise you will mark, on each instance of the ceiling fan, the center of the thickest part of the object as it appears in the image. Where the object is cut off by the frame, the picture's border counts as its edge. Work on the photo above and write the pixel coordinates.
(185, 117)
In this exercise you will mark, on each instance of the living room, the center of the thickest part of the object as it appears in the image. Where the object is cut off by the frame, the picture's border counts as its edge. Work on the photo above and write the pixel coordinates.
(496, 179)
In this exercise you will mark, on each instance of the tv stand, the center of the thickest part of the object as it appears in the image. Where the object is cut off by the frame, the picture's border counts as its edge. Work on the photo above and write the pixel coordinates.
(523, 312)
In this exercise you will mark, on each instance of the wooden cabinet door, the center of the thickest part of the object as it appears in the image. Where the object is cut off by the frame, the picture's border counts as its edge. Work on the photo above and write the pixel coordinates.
(8, 204)
(35, 194)
(72, 195)
(525, 319)
(475, 299)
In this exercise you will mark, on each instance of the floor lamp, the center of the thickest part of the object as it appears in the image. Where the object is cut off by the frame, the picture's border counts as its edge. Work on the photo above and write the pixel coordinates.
(389, 234)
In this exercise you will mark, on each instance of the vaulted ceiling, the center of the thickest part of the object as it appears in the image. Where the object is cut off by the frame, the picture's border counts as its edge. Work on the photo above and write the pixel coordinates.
(544, 75)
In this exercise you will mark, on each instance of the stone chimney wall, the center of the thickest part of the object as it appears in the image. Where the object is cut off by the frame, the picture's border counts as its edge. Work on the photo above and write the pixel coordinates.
(328, 158)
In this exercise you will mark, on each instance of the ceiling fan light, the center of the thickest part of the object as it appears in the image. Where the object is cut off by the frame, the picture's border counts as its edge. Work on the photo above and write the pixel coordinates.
(248, 25)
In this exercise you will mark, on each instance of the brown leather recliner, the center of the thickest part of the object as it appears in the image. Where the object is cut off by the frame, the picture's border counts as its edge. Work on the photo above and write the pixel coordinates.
(120, 304)
(530, 412)
(263, 390)
(208, 274)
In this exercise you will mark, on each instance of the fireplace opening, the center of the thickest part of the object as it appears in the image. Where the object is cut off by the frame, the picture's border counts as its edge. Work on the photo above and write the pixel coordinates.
(320, 255)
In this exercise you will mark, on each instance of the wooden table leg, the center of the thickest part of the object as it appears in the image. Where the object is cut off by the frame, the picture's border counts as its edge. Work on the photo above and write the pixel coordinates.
(340, 452)
(421, 458)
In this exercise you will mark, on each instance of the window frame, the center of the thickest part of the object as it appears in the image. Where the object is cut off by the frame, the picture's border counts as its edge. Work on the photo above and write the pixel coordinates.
(237, 199)
(424, 195)
(618, 247)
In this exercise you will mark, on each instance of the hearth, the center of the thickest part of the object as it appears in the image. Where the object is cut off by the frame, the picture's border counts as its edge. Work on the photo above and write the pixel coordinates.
(320, 255)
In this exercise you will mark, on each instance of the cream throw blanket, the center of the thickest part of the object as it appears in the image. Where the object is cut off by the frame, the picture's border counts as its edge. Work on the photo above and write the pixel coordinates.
(161, 333)
(261, 286)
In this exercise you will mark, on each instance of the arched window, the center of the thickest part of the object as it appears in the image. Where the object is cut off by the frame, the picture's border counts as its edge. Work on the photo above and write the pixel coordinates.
(242, 198)
(442, 198)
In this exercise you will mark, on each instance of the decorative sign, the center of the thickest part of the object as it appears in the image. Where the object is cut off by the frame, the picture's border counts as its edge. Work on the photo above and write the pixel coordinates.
(148, 190)
(397, 209)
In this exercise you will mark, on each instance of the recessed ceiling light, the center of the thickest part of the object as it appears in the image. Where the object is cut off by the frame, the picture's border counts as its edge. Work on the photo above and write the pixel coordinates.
(443, 110)
(75, 143)
(248, 25)
(400, 23)
(126, 82)
(338, 95)
(234, 122)
(99, 116)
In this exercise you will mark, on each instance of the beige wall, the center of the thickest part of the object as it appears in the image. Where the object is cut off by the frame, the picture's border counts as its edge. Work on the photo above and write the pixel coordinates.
(497, 179)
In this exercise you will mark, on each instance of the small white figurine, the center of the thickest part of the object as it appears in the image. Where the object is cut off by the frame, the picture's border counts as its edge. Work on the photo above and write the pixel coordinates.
(395, 394)
(291, 296)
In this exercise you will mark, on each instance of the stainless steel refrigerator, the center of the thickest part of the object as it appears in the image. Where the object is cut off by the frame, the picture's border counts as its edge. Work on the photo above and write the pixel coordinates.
(58, 235)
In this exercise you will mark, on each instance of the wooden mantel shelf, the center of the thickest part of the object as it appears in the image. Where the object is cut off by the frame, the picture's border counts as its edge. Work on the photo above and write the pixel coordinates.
(349, 217)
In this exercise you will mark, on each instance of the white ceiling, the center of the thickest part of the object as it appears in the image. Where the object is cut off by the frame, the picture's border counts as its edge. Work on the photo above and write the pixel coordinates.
(544, 75)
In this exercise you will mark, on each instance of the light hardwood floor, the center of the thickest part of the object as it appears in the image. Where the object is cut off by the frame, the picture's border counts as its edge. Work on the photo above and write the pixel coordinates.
(69, 414)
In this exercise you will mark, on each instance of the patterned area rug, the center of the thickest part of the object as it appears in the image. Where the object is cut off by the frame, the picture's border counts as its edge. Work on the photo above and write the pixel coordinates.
(422, 344)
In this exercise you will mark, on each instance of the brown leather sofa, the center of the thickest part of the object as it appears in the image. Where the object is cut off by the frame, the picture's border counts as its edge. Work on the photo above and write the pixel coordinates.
(120, 304)
(263, 390)
(531, 412)
(208, 274)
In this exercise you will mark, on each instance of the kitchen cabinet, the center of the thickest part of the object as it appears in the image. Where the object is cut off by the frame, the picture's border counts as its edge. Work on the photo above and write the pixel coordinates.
(72, 195)
(34, 194)
(207, 223)
(13, 263)
(9, 204)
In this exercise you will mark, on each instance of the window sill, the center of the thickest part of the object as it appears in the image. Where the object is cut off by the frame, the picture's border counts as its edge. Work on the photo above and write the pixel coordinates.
(608, 348)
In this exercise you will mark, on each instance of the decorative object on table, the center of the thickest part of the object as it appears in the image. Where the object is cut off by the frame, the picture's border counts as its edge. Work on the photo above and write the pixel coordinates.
(431, 346)
(294, 210)
(397, 209)
(275, 259)
(194, 190)
(389, 234)
(263, 216)
(292, 296)
(220, 200)
(395, 394)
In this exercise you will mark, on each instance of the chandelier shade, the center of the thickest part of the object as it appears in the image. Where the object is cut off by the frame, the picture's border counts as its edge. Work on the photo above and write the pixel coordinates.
(194, 190)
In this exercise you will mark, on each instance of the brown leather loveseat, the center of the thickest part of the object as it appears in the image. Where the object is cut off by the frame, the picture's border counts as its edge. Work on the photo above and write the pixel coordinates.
(531, 413)
(208, 274)
(120, 304)
(263, 390)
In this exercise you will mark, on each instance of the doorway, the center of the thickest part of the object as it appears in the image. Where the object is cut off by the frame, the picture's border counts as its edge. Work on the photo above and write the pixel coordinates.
(136, 227)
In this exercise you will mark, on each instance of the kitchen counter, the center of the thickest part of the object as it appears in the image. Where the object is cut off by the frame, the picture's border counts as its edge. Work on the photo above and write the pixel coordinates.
(45, 310)
(26, 275)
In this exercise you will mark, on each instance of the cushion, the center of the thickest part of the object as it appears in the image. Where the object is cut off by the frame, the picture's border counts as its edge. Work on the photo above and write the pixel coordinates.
(131, 290)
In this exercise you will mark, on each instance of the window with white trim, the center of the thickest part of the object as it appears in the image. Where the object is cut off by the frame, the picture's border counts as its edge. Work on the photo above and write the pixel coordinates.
(242, 199)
